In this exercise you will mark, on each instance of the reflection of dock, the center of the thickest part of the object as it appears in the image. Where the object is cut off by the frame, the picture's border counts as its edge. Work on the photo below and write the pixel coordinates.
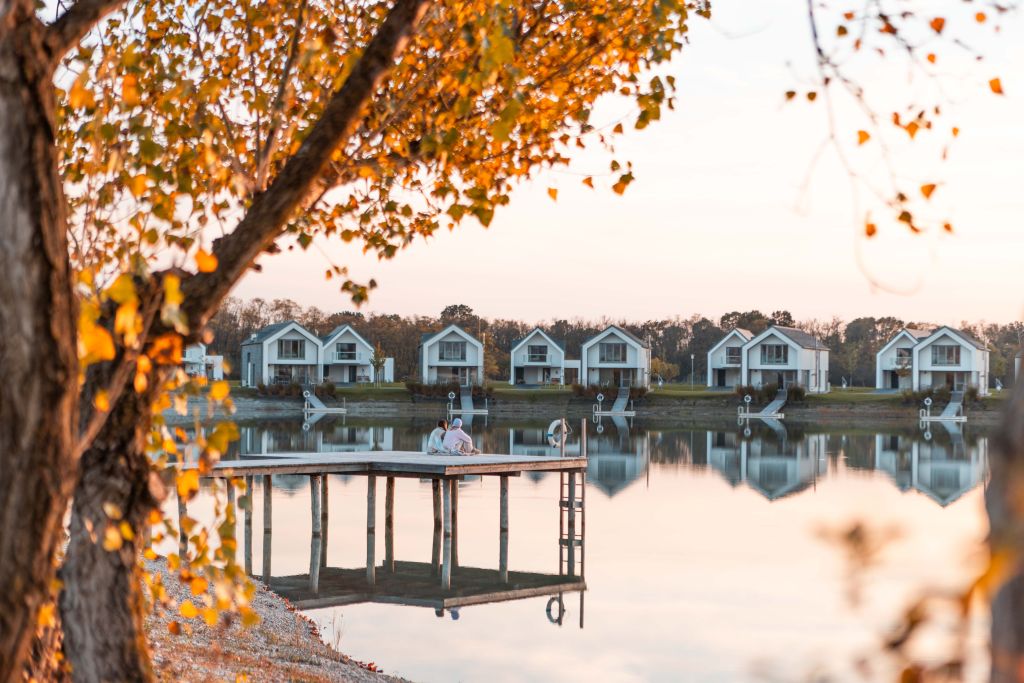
(415, 584)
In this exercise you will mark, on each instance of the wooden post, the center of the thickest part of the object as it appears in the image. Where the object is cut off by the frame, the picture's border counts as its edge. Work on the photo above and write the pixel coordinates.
(323, 520)
(446, 564)
(571, 515)
(583, 437)
(389, 524)
(435, 555)
(268, 492)
(247, 523)
(455, 522)
(561, 445)
(233, 509)
(503, 538)
(315, 546)
(182, 536)
(371, 529)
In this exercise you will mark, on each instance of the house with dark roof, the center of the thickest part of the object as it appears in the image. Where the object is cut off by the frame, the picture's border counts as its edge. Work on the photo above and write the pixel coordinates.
(537, 359)
(451, 356)
(615, 357)
(894, 362)
(952, 358)
(282, 353)
(348, 358)
(785, 357)
(725, 359)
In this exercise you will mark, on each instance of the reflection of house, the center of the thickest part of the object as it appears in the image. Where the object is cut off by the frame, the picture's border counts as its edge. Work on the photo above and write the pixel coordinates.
(775, 466)
(282, 353)
(946, 357)
(197, 363)
(725, 359)
(330, 437)
(942, 470)
(616, 458)
(786, 356)
(534, 441)
(538, 359)
(614, 357)
(451, 356)
(348, 358)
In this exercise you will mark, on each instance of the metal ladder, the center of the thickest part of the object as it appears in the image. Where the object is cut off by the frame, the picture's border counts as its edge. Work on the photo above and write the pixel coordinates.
(571, 522)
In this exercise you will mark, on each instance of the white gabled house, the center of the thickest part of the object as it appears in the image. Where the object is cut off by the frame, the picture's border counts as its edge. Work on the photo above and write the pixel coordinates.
(952, 358)
(614, 357)
(787, 357)
(198, 363)
(894, 362)
(725, 359)
(537, 359)
(348, 358)
(451, 356)
(283, 353)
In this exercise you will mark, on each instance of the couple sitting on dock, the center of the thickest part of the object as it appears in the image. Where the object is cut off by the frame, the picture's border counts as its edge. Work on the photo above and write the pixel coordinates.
(445, 440)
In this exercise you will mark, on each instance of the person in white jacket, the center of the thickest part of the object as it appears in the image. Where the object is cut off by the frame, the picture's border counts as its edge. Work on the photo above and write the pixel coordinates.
(435, 443)
(458, 441)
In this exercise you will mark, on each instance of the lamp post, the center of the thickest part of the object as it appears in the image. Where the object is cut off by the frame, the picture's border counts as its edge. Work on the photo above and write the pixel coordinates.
(692, 356)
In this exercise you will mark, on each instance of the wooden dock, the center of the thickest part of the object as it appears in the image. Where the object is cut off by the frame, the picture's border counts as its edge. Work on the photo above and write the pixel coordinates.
(444, 472)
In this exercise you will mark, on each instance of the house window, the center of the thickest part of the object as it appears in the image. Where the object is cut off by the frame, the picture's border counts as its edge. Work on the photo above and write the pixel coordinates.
(613, 352)
(945, 354)
(451, 350)
(536, 353)
(345, 351)
(291, 349)
(904, 355)
(732, 354)
(774, 354)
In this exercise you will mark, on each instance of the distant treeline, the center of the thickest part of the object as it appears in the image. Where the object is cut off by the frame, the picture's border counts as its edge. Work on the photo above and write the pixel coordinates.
(853, 344)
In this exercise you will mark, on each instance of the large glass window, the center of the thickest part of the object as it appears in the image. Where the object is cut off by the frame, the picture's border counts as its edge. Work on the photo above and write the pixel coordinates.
(732, 354)
(613, 352)
(537, 353)
(945, 354)
(452, 350)
(345, 351)
(904, 354)
(291, 349)
(774, 354)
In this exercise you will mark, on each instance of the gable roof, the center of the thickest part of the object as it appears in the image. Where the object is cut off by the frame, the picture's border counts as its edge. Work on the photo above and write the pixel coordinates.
(326, 339)
(745, 335)
(799, 337)
(518, 342)
(964, 336)
(625, 333)
(427, 336)
(264, 333)
(915, 336)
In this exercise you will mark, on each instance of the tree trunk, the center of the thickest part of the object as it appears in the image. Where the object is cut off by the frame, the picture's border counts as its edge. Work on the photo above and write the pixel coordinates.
(38, 361)
(102, 606)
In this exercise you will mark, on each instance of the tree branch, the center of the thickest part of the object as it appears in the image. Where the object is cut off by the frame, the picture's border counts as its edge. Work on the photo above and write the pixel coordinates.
(271, 210)
(71, 27)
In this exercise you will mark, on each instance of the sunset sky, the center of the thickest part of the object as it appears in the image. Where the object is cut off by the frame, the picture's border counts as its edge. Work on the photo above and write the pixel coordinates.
(719, 218)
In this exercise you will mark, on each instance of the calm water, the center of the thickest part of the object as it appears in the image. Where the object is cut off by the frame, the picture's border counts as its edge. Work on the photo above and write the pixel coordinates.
(709, 552)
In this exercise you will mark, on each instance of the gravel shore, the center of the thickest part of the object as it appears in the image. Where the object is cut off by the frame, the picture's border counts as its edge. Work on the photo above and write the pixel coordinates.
(284, 646)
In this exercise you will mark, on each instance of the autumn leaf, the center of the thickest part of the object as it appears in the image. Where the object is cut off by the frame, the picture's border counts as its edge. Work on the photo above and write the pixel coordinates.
(137, 185)
(811, 96)
(174, 628)
(980, 17)
(188, 610)
(80, 95)
(790, 94)
(862, 137)
(219, 390)
(101, 401)
(870, 229)
(112, 539)
(198, 585)
(931, 57)
(956, 131)
(205, 261)
(130, 91)
(948, 227)
(927, 190)
(188, 483)
(46, 618)
(937, 24)
(553, 193)
(589, 182)
(996, 85)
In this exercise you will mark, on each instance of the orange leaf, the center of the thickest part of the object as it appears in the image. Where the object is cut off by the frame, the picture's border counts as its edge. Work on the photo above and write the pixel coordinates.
(980, 17)
(927, 190)
(937, 24)
(996, 85)
(811, 96)
(862, 137)
(790, 94)
(870, 229)
(589, 182)
(956, 131)
(931, 57)
(188, 610)
(553, 193)
(205, 261)
(948, 227)
(912, 129)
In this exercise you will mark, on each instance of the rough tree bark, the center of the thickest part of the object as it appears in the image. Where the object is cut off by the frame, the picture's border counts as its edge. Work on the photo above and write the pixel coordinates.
(101, 605)
(38, 359)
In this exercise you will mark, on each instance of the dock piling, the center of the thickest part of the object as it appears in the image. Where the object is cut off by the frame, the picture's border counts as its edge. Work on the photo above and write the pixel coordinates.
(371, 529)
(247, 524)
(455, 522)
(503, 538)
(316, 544)
(268, 509)
(389, 524)
(182, 536)
(323, 520)
(435, 555)
(446, 565)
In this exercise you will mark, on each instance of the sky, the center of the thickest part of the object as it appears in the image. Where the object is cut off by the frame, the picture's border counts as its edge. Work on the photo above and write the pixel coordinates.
(730, 209)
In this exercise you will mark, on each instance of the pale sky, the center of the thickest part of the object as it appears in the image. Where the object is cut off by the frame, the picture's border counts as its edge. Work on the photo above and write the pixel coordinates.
(717, 219)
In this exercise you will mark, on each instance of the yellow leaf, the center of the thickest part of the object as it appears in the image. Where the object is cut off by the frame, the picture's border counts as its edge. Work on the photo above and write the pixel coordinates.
(188, 610)
(47, 615)
(172, 290)
(249, 617)
(174, 628)
(137, 185)
(996, 85)
(219, 390)
(210, 616)
(141, 382)
(188, 483)
(123, 289)
(101, 401)
(130, 91)
(927, 190)
(112, 539)
(205, 261)
(553, 193)
(112, 510)
(862, 137)
(95, 344)
(126, 531)
(80, 95)
(198, 585)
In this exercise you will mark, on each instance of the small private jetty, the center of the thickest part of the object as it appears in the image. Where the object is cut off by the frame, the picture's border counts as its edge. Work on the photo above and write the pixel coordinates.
(622, 407)
(953, 412)
(465, 406)
(772, 411)
(440, 583)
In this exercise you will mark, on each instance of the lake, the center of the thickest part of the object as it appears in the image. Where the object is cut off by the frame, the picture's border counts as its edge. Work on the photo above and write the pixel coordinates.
(711, 552)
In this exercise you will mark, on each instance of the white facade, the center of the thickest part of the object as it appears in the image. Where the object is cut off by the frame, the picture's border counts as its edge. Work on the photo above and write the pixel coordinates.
(894, 362)
(348, 359)
(537, 359)
(725, 359)
(617, 358)
(283, 353)
(451, 356)
(787, 357)
(197, 363)
(951, 358)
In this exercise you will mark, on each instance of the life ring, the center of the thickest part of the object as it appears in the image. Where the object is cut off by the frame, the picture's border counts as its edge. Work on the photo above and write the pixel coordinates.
(556, 425)
(555, 600)
(305, 394)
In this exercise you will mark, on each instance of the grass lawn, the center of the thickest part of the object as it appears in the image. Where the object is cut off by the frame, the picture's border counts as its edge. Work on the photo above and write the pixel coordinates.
(508, 392)
(672, 390)
(855, 395)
